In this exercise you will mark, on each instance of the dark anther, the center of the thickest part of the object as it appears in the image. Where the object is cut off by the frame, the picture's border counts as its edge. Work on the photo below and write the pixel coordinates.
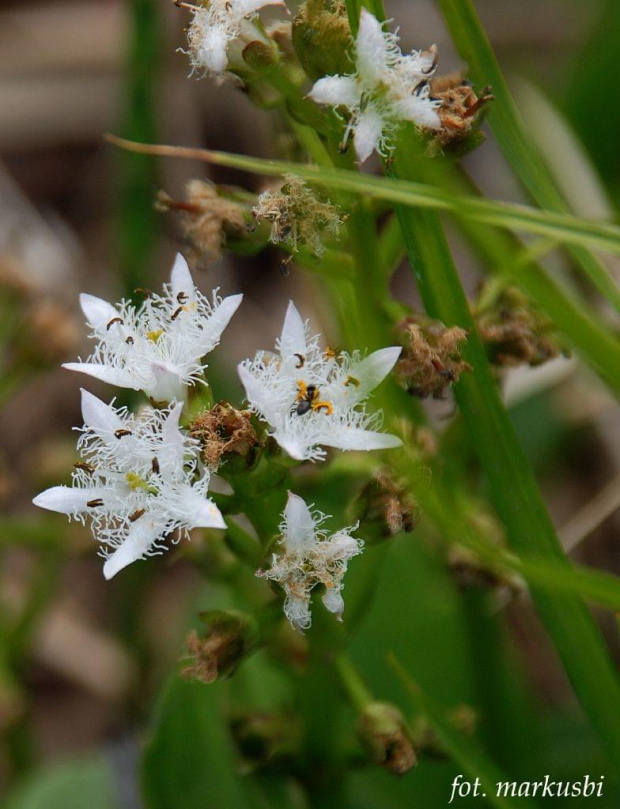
(113, 321)
(87, 467)
(302, 360)
(94, 503)
(121, 433)
(136, 515)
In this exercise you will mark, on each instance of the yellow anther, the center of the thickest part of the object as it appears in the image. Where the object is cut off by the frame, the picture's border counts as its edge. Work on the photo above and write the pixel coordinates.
(351, 380)
(154, 335)
(327, 406)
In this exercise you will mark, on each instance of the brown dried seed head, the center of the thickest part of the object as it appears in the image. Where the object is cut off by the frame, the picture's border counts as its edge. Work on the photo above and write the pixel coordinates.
(515, 332)
(207, 218)
(431, 360)
(383, 731)
(298, 216)
(221, 430)
(229, 637)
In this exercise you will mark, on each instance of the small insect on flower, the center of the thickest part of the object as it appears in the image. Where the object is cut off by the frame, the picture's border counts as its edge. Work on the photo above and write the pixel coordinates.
(387, 89)
(310, 557)
(310, 397)
(136, 491)
(158, 347)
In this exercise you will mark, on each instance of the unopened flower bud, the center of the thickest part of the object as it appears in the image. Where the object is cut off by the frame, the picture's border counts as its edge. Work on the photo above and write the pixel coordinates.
(223, 431)
(260, 56)
(431, 360)
(384, 733)
(322, 38)
(229, 638)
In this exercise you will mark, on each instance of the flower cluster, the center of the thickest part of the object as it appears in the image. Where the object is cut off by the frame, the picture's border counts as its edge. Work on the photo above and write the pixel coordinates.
(310, 557)
(137, 482)
(157, 348)
(388, 88)
(311, 397)
(215, 27)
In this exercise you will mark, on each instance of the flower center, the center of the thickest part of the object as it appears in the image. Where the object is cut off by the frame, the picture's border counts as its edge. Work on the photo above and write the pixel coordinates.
(308, 398)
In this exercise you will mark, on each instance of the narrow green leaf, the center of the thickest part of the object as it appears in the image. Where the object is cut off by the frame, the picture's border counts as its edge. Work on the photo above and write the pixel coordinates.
(188, 762)
(593, 585)
(518, 147)
(561, 227)
(474, 764)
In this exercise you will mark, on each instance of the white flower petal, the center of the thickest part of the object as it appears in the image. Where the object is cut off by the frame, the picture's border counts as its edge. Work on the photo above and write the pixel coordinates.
(97, 311)
(293, 337)
(167, 384)
(258, 394)
(336, 91)
(299, 523)
(354, 438)
(98, 415)
(297, 610)
(371, 48)
(368, 133)
(120, 377)
(296, 448)
(136, 545)
(199, 512)
(67, 499)
(181, 280)
(211, 53)
(173, 442)
(246, 7)
(217, 322)
(420, 111)
(371, 371)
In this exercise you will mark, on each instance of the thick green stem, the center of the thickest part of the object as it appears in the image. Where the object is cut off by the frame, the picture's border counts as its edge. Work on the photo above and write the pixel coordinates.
(138, 222)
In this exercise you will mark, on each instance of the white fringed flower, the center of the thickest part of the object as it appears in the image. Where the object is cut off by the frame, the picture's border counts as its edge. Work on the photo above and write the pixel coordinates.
(311, 397)
(157, 348)
(138, 482)
(387, 89)
(216, 26)
(310, 557)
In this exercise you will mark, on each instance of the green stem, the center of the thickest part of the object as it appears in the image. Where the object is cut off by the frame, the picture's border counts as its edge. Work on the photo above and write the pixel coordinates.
(351, 682)
(511, 481)
(138, 222)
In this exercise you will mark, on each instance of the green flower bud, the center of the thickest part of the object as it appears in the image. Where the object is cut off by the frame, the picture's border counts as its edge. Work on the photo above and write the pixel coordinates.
(322, 39)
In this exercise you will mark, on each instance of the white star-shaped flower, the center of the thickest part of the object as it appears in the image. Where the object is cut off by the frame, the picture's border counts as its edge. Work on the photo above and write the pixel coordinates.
(138, 482)
(216, 26)
(311, 397)
(310, 557)
(159, 347)
(388, 88)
